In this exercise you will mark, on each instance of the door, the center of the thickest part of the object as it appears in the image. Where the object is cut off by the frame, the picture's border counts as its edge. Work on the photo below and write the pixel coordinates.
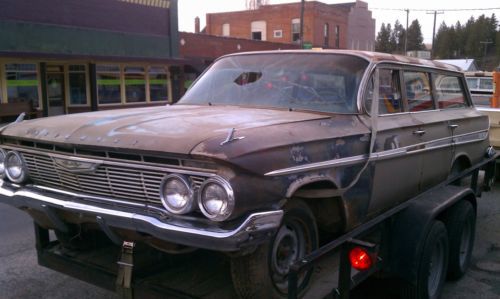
(397, 166)
(55, 90)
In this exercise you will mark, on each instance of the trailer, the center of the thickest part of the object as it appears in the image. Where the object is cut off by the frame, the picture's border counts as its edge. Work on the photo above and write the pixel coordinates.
(420, 242)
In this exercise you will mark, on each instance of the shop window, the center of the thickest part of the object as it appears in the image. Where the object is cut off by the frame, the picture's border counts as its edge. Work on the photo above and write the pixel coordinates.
(77, 85)
(135, 84)
(296, 30)
(108, 84)
(226, 29)
(158, 84)
(22, 83)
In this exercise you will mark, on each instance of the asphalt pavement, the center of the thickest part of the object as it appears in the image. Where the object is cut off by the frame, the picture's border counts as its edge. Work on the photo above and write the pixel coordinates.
(22, 278)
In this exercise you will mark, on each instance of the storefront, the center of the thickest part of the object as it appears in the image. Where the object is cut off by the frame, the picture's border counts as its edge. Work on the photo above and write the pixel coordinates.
(87, 57)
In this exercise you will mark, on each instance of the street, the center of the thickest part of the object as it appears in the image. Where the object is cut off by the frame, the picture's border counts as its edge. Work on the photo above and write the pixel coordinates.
(21, 277)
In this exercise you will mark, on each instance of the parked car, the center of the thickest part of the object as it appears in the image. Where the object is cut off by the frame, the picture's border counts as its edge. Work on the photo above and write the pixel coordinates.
(481, 87)
(268, 155)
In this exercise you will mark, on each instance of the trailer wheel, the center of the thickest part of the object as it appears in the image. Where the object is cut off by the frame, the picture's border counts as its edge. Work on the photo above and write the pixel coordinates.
(461, 225)
(264, 273)
(431, 265)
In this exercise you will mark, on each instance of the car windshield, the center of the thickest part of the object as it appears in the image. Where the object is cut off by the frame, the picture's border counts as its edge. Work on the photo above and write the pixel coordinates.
(308, 81)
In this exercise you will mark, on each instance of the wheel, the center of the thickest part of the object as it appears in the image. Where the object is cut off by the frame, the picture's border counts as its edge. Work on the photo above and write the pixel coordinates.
(264, 273)
(431, 265)
(461, 225)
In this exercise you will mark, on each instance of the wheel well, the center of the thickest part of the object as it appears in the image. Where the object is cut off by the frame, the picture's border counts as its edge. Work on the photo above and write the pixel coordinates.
(461, 163)
(325, 202)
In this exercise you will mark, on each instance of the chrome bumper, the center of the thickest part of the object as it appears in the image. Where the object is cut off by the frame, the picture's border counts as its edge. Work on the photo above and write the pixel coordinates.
(254, 229)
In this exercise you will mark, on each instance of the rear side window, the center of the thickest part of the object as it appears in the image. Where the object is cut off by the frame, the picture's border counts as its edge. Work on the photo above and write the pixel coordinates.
(418, 91)
(449, 92)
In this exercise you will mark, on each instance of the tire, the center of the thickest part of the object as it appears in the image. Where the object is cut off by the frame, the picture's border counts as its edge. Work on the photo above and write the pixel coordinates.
(461, 225)
(431, 265)
(264, 273)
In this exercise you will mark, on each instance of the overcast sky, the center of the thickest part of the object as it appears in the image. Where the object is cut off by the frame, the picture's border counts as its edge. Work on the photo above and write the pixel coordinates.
(384, 11)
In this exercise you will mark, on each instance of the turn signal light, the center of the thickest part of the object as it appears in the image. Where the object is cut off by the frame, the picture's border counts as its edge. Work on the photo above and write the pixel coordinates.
(360, 259)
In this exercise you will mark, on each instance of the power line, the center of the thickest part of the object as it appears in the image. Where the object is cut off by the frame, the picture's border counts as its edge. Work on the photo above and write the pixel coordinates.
(448, 9)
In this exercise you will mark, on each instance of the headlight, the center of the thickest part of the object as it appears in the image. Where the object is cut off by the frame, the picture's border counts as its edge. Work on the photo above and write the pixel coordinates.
(216, 199)
(2, 163)
(15, 168)
(176, 194)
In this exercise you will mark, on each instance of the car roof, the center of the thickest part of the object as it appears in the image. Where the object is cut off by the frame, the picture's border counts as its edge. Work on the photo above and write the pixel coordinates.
(375, 57)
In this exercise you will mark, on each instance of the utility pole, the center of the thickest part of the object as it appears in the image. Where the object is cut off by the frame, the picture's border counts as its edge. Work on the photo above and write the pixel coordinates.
(434, 30)
(302, 7)
(406, 33)
(485, 43)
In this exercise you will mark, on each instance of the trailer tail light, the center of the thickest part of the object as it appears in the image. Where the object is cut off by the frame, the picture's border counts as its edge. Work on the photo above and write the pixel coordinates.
(360, 259)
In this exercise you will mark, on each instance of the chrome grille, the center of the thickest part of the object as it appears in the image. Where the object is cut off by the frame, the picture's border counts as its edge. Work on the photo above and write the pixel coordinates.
(113, 181)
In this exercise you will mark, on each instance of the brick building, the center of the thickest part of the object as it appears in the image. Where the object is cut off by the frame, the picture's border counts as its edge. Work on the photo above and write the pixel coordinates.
(80, 55)
(344, 26)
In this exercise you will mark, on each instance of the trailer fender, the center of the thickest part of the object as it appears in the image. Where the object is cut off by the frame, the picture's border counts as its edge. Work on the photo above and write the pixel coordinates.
(410, 227)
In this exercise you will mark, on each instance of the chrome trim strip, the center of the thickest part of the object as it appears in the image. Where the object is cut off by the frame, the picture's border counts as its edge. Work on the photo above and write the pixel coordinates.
(254, 222)
(319, 165)
(388, 154)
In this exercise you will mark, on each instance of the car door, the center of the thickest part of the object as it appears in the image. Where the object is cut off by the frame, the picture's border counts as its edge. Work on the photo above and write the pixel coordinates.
(397, 170)
(434, 129)
(466, 125)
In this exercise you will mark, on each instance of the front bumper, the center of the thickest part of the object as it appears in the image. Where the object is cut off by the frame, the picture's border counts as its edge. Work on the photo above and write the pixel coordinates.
(253, 230)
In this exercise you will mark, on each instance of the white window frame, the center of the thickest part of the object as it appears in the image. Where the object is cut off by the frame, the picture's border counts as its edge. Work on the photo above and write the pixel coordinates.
(226, 29)
(278, 33)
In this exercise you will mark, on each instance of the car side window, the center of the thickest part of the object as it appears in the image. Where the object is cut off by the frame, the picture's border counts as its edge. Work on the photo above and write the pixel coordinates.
(449, 92)
(389, 92)
(418, 91)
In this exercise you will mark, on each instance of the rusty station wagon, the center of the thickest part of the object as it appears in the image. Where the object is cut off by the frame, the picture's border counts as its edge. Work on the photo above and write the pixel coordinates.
(268, 155)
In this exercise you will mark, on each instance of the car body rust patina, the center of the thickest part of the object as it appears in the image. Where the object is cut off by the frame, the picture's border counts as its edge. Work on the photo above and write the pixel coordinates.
(265, 150)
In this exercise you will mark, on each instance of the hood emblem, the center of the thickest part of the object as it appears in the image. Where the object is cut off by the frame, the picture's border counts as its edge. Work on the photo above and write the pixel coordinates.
(230, 137)
(76, 166)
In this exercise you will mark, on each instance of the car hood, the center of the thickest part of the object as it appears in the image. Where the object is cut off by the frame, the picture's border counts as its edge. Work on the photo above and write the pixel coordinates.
(174, 129)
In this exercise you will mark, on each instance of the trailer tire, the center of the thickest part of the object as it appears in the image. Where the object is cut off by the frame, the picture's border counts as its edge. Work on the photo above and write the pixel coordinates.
(461, 225)
(431, 265)
(264, 272)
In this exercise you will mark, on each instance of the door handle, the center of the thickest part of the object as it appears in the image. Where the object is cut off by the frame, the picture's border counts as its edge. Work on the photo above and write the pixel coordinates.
(453, 127)
(419, 132)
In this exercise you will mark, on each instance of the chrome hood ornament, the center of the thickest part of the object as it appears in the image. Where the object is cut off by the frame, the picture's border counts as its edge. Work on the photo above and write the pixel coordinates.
(230, 137)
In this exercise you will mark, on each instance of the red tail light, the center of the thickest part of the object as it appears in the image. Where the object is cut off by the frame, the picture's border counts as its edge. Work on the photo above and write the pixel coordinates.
(360, 259)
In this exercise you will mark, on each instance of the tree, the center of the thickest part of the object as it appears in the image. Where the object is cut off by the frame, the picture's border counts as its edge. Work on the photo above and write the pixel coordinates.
(398, 34)
(415, 38)
(382, 43)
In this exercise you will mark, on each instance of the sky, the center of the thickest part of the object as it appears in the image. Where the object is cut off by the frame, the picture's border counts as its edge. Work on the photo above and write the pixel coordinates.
(384, 11)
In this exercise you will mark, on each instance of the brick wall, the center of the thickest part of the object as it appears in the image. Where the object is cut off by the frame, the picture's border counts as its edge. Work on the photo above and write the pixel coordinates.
(279, 17)
(209, 47)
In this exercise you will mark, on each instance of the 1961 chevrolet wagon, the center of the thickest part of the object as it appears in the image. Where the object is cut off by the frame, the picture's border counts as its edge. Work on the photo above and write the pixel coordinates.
(268, 155)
